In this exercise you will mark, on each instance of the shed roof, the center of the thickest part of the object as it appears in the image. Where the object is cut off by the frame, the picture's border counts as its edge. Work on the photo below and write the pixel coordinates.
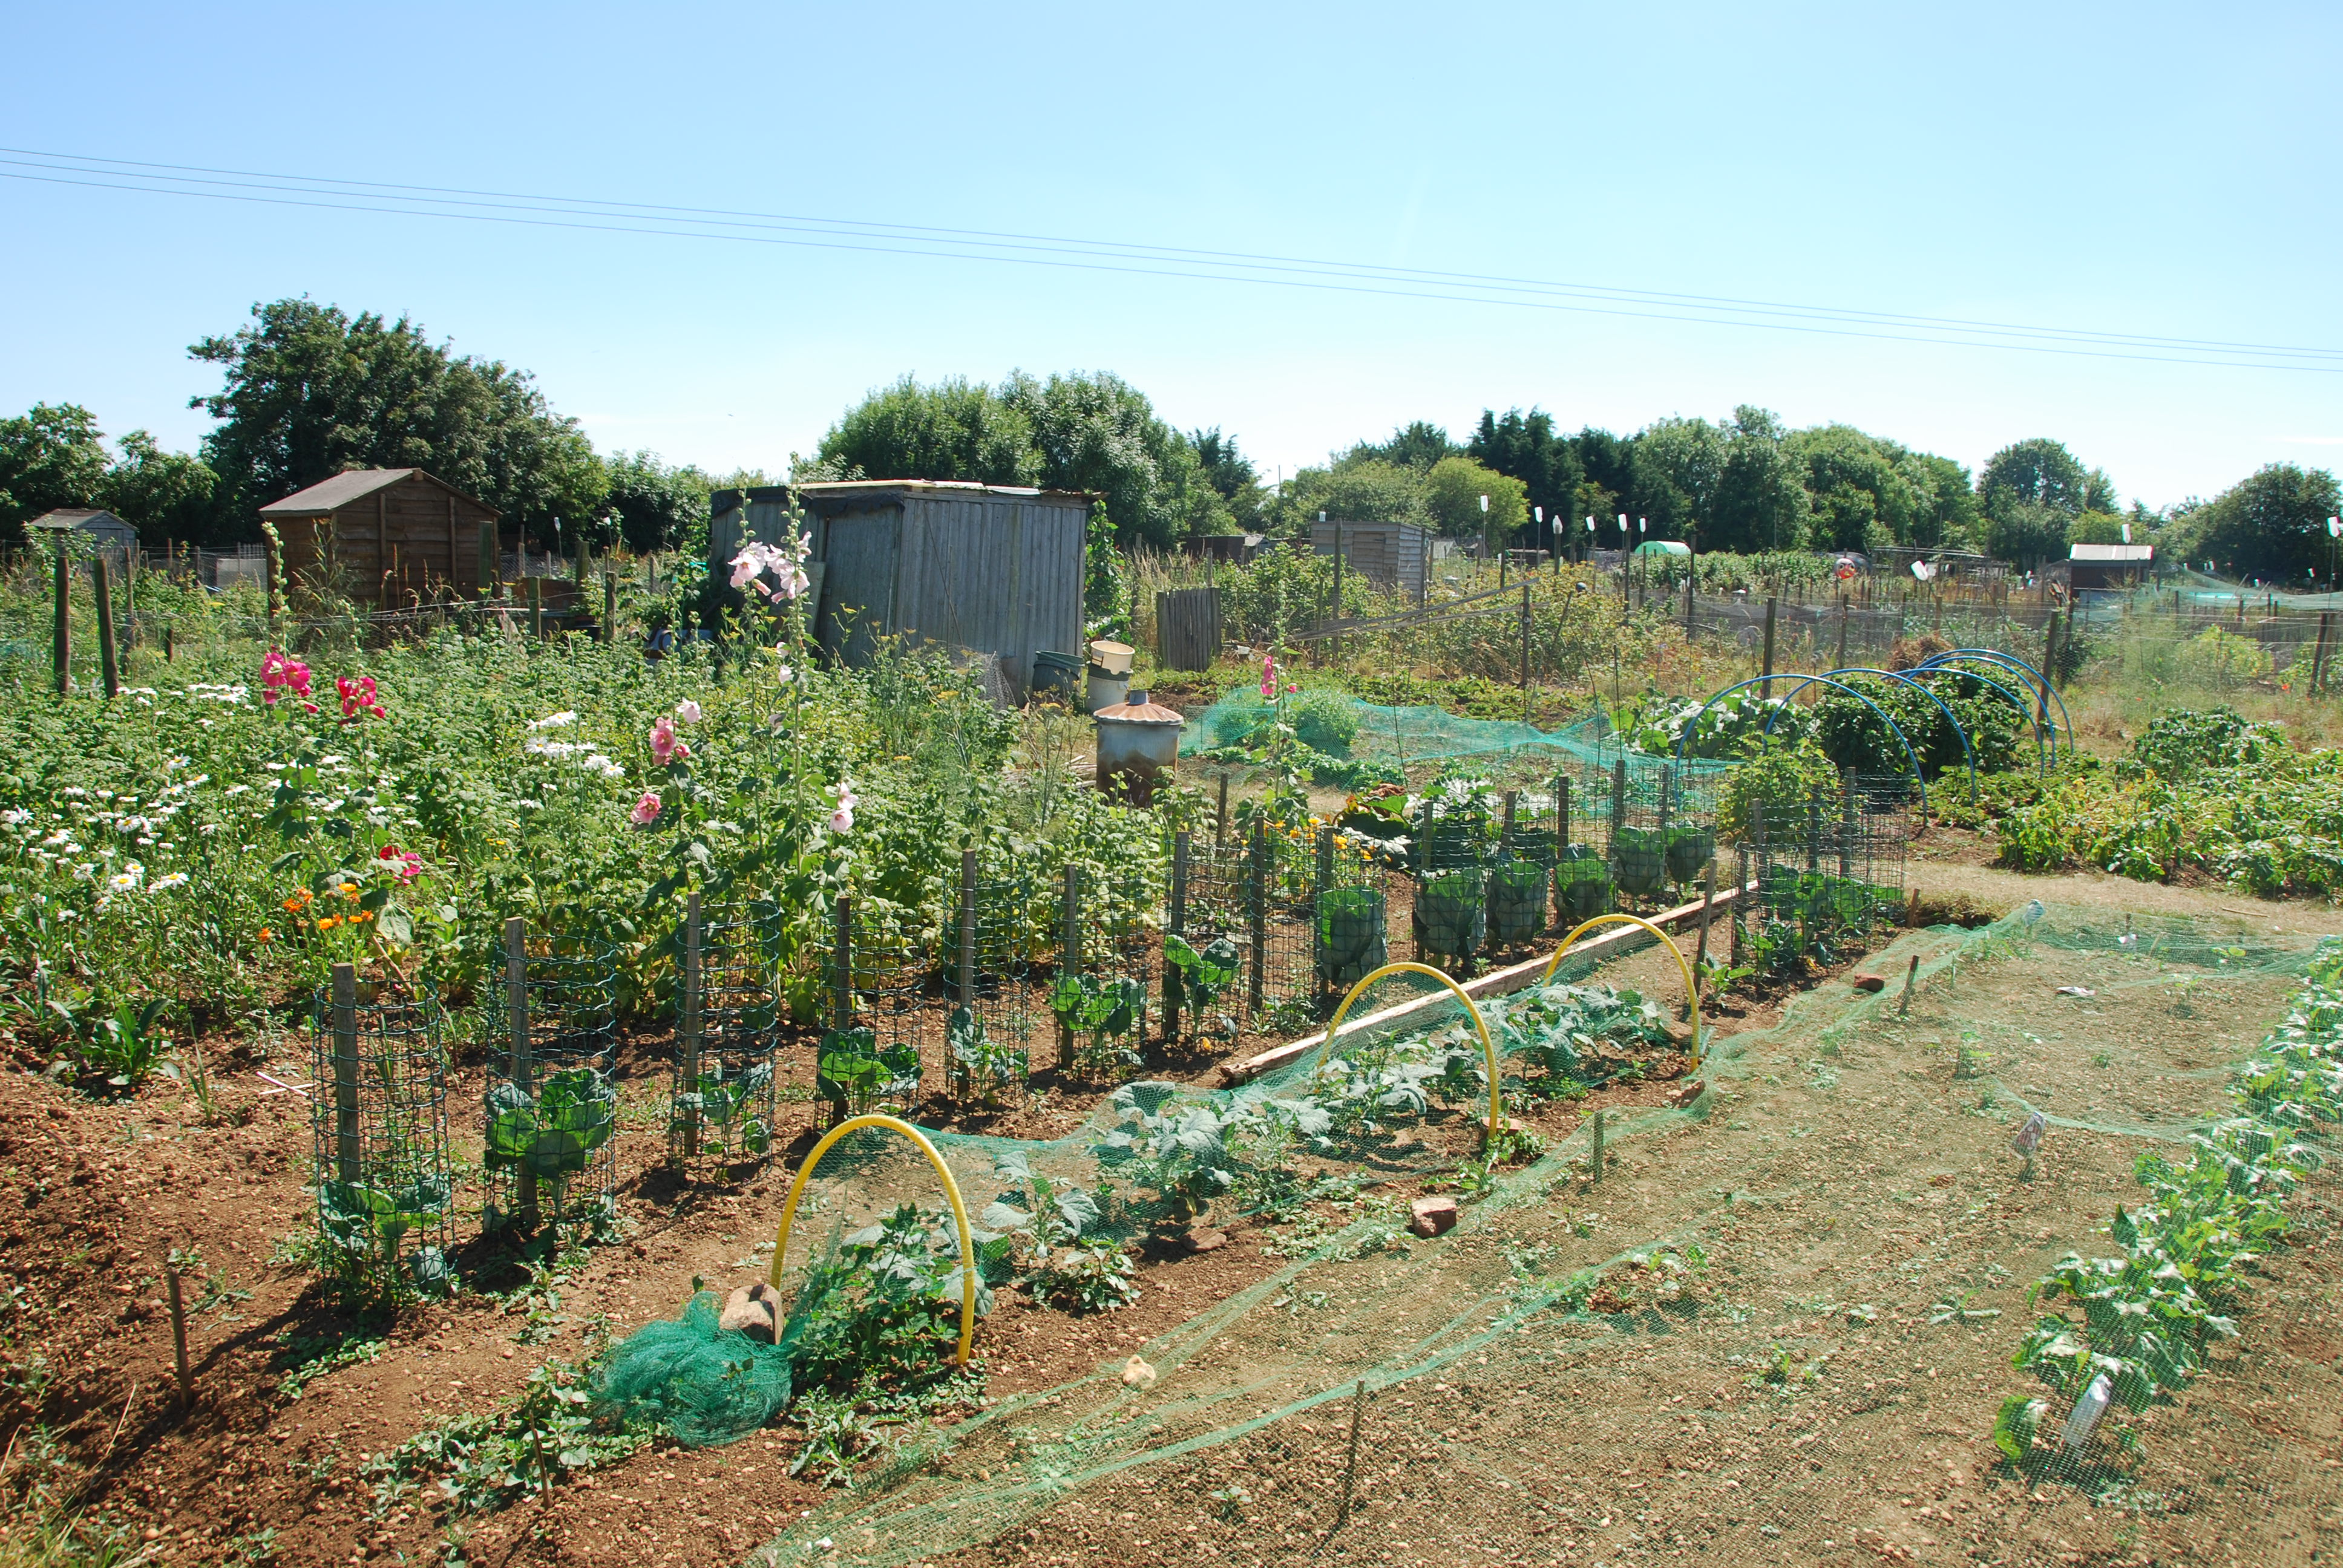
(90, 519)
(847, 488)
(328, 496)
(2111, 553)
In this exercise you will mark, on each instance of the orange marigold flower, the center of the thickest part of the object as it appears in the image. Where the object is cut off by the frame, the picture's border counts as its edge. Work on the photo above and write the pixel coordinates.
(267, 935)
(329, 922)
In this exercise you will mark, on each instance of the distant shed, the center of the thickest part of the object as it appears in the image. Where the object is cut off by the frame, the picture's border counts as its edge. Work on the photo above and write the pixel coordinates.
(1394, 557)
(990, 569)
(93, 528)
(2109, 566)
(388, 533)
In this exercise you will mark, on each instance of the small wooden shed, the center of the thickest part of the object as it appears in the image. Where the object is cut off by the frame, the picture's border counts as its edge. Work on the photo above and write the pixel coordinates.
(385, 536)
(1392, 556)
(990, 569)
(2109, 566)
(93, 528)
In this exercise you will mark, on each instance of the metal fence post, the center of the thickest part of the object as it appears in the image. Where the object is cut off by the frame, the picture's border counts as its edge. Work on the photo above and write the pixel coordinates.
(347, 1168)
(1175, 924)
(1070, 955)
(687, 1047)
(1257, 912)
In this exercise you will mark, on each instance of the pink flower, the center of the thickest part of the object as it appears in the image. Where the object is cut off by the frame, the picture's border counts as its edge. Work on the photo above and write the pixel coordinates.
(745, 567)
(646, 810)
(357, 697)
(406, 864)
(665, 748)
(279, 673)
(841, 820)
(1269, 675)
(786, 562)
(687, 710)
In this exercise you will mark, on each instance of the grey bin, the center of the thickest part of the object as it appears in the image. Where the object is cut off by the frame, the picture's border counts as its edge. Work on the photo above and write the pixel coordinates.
(1137, 744)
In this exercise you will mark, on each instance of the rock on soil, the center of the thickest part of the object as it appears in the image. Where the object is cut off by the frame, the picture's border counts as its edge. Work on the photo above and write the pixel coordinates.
(1432, 1216)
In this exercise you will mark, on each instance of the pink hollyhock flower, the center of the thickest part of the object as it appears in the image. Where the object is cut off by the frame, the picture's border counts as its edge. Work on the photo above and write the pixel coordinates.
(646, 810)
(406, 864)
(279, 673)
(687, 710)
(1269, 675)
(841, 820)
(666, 749)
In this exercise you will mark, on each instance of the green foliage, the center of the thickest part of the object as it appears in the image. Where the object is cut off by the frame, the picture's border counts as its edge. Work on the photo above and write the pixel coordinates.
(855, 1074)
(880, 1312)
(50, 457)
(555, 1132)
(2271, 525)
(1094, 1279)
(534, 1442)
(310, 391)
(2178, 745)
(2220, 659)
(1181, 1152)
(726, 1105)
(978, 1059)
(1202, 974)
(1569, 1030)
(1453, 492)
(1733, 727)
(1104, 1007)
(127, 1046)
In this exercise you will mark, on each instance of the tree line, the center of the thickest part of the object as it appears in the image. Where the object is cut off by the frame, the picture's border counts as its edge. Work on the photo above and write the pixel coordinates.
(308, 391)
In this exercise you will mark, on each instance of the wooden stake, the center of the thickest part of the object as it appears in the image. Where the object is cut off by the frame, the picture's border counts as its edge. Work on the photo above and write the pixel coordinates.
(1911, 976)
(1351, 1465)
(1070, 955)
(1766, 690)
(536, 607)
(687, 1047)
(1598, 1145)
(108, 655)
(523, 1068)
(61, 649)
(179, 1335)
(610, 606)
(345, 1073)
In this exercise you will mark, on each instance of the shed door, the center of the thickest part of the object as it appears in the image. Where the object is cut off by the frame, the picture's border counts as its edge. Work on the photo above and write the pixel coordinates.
(858, 598)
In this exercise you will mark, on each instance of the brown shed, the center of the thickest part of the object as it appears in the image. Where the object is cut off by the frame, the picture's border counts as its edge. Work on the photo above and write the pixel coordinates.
(1394, 557)
(385, 536)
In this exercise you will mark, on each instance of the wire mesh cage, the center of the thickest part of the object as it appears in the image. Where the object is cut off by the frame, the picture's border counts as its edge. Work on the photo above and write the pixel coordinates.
(988, 953)
(551, 1108)
(1099, 996)
(386, 1200)
(878, 972)
(721, 1103)
(1828, 868)
(1210, 909)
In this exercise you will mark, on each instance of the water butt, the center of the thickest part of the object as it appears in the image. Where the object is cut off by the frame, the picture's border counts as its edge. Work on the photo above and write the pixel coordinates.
(1138, 743)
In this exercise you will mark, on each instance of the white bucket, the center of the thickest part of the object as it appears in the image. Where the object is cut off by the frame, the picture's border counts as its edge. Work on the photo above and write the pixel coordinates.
(1114, 657)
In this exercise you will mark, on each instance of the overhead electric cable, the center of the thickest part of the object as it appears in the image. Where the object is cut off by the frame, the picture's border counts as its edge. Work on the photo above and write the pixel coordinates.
(600, 215)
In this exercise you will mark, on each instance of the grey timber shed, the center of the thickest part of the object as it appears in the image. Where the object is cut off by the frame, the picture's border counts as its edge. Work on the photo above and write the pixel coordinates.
(987, 568)
(1394, 557)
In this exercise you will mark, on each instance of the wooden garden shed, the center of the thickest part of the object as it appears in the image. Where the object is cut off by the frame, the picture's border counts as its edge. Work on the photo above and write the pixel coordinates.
(1394, 557)
(990, 568)
(92, 529)
(385, 536)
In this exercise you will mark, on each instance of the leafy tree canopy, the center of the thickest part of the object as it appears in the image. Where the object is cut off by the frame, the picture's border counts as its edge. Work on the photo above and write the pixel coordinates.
(2272, 525)
(53, 456)
(310, 392)
(1453, 493)
(1525, 447)
(651, 506)
(1416, 446)
(1357, 490)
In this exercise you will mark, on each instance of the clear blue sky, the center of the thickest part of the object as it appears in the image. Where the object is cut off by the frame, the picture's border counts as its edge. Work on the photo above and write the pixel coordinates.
(2149, 170)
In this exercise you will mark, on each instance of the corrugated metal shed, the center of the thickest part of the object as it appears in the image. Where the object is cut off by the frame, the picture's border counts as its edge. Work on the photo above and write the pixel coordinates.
(990, 569)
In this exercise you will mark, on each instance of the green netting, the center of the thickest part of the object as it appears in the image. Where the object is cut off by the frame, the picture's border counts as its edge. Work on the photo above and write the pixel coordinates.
(1424, 738)
(1366, 1310)
(705, 1383)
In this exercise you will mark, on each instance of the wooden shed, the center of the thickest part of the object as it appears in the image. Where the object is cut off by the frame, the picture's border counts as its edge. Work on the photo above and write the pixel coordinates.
(990, 568)
(1392, 556)
(93, 528)
(2109, 566)
(385, 536)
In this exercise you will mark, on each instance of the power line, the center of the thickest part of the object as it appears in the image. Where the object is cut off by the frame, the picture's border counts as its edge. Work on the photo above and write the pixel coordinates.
(601, 215)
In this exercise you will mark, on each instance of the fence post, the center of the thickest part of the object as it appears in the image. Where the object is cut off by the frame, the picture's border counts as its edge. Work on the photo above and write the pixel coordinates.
(489, 572)
(688, 1047)
(1766, 690)
(966, 989)
(523, 1071)
(1689, 575)
(1221, 823)
(1257, 912)
(1175, 924)
(610, 606)
(1525, 650)
(1707, 896)
(345, 1073)
(1561, 816)
(1618, 797)
(169, 652)
(535, 606)
(1843, 613)
(841, 985)
(1070, 955)
(1740, 897)
(108, 656)
(1322, 883)
(1846, 823)
(61, 649)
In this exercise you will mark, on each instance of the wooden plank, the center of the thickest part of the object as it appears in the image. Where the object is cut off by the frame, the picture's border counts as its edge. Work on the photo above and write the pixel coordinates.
(1496, 982)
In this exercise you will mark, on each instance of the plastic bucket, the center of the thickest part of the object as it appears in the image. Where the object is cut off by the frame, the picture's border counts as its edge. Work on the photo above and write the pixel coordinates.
(1114, 657)
(1108, 690)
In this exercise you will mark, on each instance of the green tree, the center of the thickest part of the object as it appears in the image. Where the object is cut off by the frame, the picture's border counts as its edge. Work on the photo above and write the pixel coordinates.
(1231, 475)
(1945, 513)
(955, 430)
(1678, 464)
(310, 392)
(1416, 446)
(2039, 470)
(54, 456)
(1453, 493)
(1525, 447)
(652, 506)
(164, 495)
(1760, 502)
(1355, 490)
(2097, 528)
(1860, 498)
(2271, 525)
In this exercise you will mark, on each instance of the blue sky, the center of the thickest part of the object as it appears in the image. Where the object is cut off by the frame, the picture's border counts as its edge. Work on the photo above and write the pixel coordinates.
(2142, 170)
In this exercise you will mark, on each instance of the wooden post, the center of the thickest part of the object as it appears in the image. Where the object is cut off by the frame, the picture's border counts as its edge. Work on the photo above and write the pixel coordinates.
(178, 1333)
(1707, 897)
(169, 652)
(2318, 654)
(535, 606)
(345, 1073)
(1740, 897)
(1525, 650)
(1598, 1145)
(1069, 954)
(1846, 823)
(61, 647)
(1618, 797)
(490, 574)
(1221, 823)
(1176, 924)
(1911, 976)
(522, 1068)
(1561, 816)
(1688, 587)
(688, 1046)
(841, 981)
(1257, 913)
(1766, 690)
(108, 656)
(610, 606)
(1843, 613)
(1338, 589)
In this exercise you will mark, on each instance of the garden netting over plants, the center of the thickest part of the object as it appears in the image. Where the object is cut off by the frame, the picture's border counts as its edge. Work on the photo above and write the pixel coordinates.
(1785, 1317)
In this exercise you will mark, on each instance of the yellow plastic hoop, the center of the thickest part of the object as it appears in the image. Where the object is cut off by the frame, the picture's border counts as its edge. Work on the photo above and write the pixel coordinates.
(1692, 991)
(1488, 1049)
(951, 1190)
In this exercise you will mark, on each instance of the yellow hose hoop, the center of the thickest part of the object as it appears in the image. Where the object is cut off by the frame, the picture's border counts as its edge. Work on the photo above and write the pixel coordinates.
(1488, 1050)
(1692, 991)
(951, 1190)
